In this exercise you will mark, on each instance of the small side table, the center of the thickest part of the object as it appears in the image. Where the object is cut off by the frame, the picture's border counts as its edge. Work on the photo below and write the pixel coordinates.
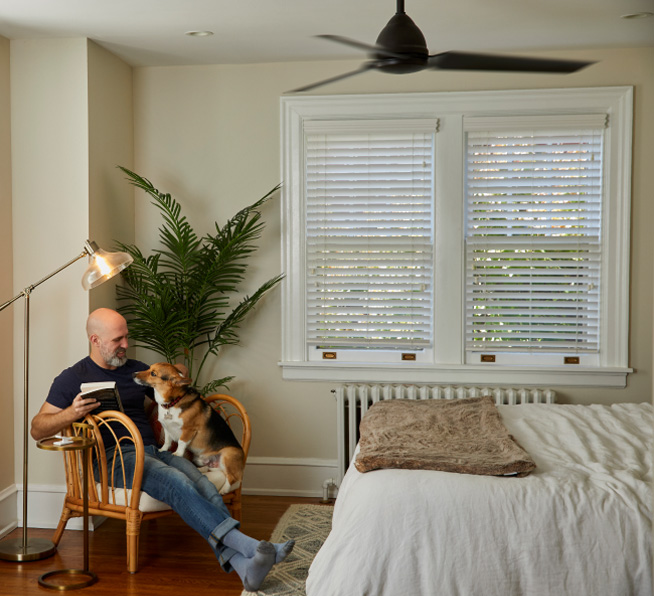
(78, 443)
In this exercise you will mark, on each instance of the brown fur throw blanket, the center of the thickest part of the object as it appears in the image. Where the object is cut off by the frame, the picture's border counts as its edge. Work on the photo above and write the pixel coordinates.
(458, 435)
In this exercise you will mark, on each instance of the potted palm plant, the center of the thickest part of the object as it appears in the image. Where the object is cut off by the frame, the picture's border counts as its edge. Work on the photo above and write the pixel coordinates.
(178, 300)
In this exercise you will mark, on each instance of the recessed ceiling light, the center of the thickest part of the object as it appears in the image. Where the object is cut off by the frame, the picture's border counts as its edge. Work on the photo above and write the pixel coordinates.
(637, 15)
(199, 33)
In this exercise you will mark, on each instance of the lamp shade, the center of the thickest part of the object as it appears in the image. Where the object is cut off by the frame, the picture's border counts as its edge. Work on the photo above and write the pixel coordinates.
(103, 265)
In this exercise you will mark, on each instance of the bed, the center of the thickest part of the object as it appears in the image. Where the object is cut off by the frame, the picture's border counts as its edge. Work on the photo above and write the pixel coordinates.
(580, 523)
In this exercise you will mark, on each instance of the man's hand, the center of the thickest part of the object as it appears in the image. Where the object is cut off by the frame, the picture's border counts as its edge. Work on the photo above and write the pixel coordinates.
(83, 405)
(51, 420)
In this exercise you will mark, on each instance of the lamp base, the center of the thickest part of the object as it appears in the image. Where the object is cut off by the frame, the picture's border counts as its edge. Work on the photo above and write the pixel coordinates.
(34, 549)
(88, 578)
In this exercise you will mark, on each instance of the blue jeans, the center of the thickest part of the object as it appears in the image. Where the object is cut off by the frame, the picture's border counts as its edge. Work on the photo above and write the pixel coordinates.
(178, 483)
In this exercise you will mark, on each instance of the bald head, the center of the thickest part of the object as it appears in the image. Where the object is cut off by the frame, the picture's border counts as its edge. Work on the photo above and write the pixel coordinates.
(107, 333)
(102, 319)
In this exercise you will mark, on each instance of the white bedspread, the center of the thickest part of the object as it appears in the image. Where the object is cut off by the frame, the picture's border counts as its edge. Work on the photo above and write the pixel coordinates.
(579, 525)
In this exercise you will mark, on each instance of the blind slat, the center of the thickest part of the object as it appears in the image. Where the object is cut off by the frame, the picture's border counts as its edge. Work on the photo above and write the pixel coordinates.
(533, 238)
(369, 237)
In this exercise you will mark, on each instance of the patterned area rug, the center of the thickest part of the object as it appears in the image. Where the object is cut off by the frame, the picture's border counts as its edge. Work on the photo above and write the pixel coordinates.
(309, 526)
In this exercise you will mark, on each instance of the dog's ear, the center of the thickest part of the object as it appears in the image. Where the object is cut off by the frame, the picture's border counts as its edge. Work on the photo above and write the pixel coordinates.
(182, 368)
(182, 381)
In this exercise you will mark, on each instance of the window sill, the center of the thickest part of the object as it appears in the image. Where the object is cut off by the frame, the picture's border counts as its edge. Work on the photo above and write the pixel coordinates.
(550, 376)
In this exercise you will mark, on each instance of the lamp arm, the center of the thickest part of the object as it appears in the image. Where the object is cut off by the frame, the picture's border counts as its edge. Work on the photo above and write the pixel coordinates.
(28, 289)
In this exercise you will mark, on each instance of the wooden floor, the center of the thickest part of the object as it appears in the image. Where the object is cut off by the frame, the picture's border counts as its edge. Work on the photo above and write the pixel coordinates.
(173, 559)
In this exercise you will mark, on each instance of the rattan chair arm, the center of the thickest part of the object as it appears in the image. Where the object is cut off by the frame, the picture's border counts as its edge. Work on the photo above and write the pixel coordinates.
(108, 470)
(238, 410)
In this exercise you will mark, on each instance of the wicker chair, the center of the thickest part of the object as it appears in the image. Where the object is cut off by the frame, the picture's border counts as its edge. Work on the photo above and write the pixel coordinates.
(133, 505)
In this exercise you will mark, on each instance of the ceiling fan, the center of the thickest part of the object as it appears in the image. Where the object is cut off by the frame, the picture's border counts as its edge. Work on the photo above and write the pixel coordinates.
(401, 48)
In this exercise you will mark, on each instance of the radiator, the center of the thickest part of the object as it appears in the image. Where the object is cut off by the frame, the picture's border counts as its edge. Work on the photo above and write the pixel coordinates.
(353, 401)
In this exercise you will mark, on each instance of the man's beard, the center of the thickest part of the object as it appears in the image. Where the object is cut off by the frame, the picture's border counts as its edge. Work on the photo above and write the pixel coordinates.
(112, 359)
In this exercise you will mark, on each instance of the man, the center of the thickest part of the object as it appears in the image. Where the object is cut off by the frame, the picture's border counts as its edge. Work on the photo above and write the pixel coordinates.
(166, 477)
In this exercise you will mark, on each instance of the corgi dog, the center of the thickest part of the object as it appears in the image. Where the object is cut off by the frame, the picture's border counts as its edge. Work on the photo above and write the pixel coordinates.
(190, 421)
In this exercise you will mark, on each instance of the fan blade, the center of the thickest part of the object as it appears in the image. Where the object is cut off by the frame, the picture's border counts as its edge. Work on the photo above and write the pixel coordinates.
(377, 50)
(472, 61)
(364, 68)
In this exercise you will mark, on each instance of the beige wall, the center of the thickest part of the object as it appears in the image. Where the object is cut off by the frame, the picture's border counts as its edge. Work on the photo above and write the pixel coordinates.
(71, 121)
(110, 143)
(7, 434)
(50, 187)
(210, 136)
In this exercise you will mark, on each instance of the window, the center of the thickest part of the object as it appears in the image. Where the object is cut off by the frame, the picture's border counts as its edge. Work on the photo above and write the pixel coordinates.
(369, 241)
(458, 238)
(533, 237)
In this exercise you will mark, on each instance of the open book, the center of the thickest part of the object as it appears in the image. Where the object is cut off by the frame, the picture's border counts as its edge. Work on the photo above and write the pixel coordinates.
(105, 392)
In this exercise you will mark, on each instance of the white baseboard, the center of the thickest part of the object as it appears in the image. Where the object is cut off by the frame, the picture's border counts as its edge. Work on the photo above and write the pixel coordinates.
(44, 504)
(281, 476)
(8, 515)
(278, 476)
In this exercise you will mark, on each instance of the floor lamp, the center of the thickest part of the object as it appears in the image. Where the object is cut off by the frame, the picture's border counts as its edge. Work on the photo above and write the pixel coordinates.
(102, 266)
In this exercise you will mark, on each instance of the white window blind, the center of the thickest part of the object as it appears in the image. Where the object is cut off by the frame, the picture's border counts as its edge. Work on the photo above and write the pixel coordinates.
(369, 211)
(533, 234)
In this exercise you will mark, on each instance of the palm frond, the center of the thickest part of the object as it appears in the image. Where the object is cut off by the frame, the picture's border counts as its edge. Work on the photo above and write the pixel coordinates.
(177, 299)
(176, 235)
(227, 332)
(214, 385)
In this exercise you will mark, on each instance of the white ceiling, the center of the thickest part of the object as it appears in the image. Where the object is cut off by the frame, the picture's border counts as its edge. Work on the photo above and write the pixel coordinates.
(152, 32)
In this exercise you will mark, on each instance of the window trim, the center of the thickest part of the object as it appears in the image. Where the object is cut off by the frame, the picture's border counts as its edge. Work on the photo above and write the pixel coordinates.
(450, 108)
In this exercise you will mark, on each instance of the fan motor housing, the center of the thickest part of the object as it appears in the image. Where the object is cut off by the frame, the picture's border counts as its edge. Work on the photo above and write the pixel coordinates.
(404, 66)
(402, 36)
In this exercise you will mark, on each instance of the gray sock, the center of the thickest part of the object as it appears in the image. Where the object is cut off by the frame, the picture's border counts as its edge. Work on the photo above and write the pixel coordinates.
(247, 546)
(283, 549)
(253, 570)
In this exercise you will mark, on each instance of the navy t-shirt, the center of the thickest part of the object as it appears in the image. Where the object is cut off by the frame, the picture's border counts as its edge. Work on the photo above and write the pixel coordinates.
(66, 386)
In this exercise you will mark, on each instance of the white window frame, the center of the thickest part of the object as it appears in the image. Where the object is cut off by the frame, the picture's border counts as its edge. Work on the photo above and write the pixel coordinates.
(447, 362)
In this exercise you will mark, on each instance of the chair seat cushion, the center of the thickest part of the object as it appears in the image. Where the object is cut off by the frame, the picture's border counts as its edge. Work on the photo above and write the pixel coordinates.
(147, 504)
(122, 497)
